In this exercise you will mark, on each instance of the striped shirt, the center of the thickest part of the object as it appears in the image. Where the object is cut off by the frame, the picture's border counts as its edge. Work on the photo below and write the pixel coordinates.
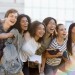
(55, 45)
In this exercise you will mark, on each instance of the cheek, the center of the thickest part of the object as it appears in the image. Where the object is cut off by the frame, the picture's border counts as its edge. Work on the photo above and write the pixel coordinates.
(15, 20)
(49, 26)
(22, 26)
(73, 31)
(37, 33)
(60, 33)
(55, 27)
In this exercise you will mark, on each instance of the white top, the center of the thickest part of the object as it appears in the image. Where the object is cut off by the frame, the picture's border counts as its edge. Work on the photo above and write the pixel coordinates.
(28, 49)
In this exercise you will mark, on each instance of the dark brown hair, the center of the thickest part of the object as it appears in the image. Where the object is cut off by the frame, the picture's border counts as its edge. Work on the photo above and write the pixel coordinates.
(69, 41)
(33, 29)
(57, 27)
(17, 24)
(47, 20)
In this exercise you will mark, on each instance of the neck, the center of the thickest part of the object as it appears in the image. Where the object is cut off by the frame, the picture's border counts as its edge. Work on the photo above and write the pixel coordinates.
(36, 38)
(60, 40)
(73, 38)
(22, 31)
(6, 26)
(47, 34)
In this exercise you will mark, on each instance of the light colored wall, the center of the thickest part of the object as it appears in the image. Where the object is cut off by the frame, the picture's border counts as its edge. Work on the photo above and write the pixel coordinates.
(8, 4)
(62, 10)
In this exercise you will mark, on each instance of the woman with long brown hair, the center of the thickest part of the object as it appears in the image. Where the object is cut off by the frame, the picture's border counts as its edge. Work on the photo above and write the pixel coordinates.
(71, 50)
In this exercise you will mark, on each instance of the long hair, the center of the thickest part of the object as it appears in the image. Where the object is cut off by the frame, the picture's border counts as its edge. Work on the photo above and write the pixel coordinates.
(69, 41)
(33, 29)
(17, 24)
(46, 21)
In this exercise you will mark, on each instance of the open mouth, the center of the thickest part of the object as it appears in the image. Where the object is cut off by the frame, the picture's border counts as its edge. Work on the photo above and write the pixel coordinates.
(64, 34)
(52, 29)
(41, 34)
(25, 26)
(12, 21)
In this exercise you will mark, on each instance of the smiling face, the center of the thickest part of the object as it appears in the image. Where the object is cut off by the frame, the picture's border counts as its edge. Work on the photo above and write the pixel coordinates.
(50, 28)
(62, 31)
(24, 23)
(40, 31)
(11, 19)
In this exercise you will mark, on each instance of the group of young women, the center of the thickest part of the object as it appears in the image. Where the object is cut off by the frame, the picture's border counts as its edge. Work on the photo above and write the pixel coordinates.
(46, 39)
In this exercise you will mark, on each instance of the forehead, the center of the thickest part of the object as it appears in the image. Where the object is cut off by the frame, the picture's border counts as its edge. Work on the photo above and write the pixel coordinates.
(40, 26)
(61, 27)
(13, 14)
(73, 28)
(52, 21)
(24, 18)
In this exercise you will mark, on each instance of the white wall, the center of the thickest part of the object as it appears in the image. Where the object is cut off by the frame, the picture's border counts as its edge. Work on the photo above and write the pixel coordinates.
(62, 10)
(8, 4)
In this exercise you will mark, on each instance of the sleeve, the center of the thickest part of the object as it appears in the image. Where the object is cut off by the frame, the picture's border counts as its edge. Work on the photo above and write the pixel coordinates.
(10, 40)
(53, 44)
(14, 32)
(41, 50)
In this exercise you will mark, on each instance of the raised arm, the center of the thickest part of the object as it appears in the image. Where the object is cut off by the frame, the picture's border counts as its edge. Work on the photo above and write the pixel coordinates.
(12, 33)
(6, 35)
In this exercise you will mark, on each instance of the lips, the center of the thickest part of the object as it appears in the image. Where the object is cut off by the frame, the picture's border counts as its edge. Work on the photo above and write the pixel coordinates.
(64, 34)
(25, 26)
(12, 21)
(52, 29)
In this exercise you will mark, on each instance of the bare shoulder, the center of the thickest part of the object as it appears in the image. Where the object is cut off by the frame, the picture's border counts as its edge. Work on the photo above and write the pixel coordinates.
(27, 36)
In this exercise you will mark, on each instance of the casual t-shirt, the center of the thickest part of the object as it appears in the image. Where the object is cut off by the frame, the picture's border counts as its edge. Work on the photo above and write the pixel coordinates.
(54, 45)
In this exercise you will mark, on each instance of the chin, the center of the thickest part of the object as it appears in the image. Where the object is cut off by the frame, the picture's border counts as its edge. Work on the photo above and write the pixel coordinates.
(12, 25)
(51, 32)
(40, 36)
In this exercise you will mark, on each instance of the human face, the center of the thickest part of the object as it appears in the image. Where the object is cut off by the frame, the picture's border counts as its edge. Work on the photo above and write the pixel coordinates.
(73, 30)
(11, 19)
(51, 27)
(40, 31)
(24, 23)
(62, 31)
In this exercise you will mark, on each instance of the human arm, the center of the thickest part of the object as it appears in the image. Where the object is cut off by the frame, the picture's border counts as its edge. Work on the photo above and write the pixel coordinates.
(6, 35)
(27, 36)
(43, 62)
(10, 34)
(48, 55)
(40, 50)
